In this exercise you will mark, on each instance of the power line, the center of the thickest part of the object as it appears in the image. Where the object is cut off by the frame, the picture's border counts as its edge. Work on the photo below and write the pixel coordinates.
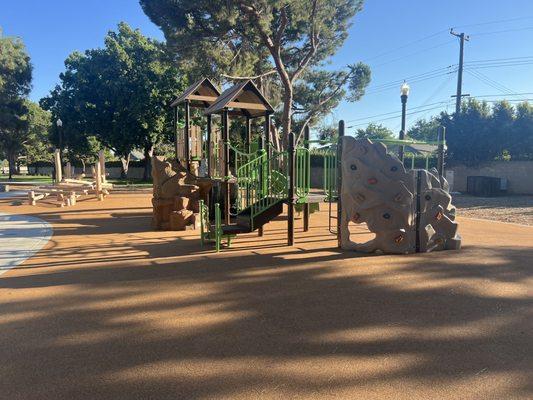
(415, 53)
(405, 45)
(502, 31)
(396, 112)
(399, 115)
(409, 78)
(491, 60)
(495, 22)
(488, 81)
(503, 95)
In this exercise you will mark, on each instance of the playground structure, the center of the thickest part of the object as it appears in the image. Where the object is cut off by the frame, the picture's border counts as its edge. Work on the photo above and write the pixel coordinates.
(67, 189)
(409, 210)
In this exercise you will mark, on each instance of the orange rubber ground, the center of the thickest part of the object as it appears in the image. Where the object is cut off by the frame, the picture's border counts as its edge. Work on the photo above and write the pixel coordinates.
(111, 310)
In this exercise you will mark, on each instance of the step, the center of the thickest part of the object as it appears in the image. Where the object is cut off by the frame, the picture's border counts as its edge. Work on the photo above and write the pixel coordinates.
(235, 229)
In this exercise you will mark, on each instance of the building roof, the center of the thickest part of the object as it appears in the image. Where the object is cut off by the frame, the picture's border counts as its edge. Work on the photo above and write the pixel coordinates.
(200, 94)
(242, 99)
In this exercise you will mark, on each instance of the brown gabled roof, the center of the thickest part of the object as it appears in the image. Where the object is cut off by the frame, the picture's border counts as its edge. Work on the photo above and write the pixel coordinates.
(200, 94)
(244, 98)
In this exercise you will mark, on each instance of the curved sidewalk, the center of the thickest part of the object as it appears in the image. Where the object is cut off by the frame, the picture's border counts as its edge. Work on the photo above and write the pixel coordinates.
(21, 236)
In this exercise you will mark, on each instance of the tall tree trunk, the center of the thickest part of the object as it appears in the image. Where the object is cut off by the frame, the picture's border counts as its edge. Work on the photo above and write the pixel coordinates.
(148, 153)
(125, 160)
(11, 158)
(287, 114)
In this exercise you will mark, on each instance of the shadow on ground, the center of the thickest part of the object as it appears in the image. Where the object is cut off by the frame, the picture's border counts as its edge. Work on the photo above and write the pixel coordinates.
(147, 316)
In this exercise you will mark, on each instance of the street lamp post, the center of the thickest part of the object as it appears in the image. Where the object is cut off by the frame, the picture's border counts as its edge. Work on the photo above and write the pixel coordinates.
(59, 125)
(404, 93)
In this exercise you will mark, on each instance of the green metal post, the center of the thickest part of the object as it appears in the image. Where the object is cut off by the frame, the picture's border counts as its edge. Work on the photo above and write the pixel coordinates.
(225, 138)
(306, 204)
(339, 182)
(290, 197)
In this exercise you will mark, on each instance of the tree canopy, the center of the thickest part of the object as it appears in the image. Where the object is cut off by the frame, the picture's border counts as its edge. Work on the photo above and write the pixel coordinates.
(374, 131)
(15, 84)
(119, 94)
(284, 43)
(481, 133)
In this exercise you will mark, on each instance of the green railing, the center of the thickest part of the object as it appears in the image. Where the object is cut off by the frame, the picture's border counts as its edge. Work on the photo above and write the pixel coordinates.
(262, 182)
(302, 178)
(210, 232)
(330, 173)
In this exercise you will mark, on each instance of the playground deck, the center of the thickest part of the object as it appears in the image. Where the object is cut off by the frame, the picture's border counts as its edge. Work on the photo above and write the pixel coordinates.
(112, 310)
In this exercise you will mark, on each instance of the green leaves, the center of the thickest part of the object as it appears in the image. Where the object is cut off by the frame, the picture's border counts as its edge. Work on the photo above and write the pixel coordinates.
(119, 94)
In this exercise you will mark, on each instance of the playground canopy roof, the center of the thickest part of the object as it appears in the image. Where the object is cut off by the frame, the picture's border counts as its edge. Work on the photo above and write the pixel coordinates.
(200, 94)
(242, 99)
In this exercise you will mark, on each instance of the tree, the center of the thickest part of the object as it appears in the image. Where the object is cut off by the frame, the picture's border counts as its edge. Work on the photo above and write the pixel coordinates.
(521, 138)
(288, 39)
(15, 85)
(426, 130)
(374, 131)
(120, 93)
(37, 146)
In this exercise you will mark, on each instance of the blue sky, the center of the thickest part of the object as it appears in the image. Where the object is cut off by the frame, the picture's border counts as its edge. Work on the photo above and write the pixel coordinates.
(398, 39)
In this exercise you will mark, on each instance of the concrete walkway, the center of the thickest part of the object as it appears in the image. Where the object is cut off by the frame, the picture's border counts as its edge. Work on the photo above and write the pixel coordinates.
(21, 236)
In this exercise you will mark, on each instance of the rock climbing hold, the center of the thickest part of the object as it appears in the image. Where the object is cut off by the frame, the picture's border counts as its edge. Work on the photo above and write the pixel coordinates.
(372, 181)
(386, 216)
(427, 197)
(398, 197)
(398, 239)
(394, 169)
(438, 216)
(353, 167)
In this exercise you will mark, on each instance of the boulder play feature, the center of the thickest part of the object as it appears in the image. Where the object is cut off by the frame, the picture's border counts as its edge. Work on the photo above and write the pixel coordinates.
(408, 211)
(177, 195)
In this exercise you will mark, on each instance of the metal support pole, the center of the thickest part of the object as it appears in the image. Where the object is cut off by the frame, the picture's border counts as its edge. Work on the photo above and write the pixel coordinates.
(248, 134)
(339, 183)
(441, 139)
(402, 132)
(209, 149)
(187, 135)
(306, 204)
(225, 138)
(267, 134)
(261, 146)
(176, 133)
(290, 197)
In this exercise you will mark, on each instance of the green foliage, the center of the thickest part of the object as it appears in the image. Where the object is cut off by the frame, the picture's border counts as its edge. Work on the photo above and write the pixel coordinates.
(37, 146)
(425, 130)
(481, 133)
(118, 94)
(15, 84)
(283, 44)
(374, 131)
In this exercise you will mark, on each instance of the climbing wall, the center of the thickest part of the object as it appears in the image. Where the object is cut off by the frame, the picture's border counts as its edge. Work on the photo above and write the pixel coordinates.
(377, 190)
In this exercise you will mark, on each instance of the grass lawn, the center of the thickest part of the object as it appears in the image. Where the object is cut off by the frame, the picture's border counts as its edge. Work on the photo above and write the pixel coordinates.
(27, 178)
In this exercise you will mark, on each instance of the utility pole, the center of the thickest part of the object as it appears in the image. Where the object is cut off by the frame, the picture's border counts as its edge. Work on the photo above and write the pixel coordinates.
(459, 95)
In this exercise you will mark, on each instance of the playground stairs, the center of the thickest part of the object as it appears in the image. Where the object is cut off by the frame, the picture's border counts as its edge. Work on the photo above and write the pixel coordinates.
(246, 222)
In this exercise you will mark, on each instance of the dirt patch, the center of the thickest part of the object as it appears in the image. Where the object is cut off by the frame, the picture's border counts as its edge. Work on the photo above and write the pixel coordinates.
(515, 209)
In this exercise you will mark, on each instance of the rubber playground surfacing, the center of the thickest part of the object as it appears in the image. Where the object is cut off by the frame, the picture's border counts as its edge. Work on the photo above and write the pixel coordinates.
(112, 310)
